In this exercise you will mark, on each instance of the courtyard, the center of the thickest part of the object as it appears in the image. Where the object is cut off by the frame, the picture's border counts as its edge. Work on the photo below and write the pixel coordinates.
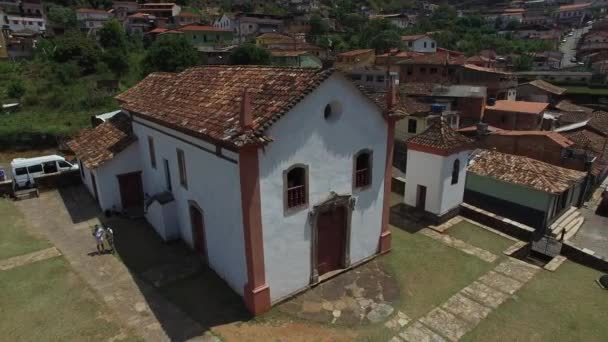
(450, 282)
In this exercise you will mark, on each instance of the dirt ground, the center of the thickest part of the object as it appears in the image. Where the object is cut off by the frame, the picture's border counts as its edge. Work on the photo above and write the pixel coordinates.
(292, 332)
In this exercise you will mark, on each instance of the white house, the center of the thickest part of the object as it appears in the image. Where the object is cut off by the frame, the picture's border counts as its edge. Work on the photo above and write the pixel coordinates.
(18, 23)
(420, 43)
(436, 170)
(91, 19)
(278, 177)
(109, 163)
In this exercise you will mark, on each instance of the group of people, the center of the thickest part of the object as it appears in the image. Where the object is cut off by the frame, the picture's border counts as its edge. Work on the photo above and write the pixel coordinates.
(102, 234)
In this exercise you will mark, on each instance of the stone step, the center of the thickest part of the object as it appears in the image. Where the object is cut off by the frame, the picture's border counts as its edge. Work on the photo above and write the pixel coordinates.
(562, 218)
(575, 226)
(573, 216)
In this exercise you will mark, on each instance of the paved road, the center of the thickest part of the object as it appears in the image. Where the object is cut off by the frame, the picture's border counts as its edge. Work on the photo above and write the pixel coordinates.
(569, 47)
(594, 232)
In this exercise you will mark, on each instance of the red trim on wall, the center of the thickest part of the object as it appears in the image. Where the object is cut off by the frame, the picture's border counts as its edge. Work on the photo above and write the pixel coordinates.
(384, 243)
(257, 292)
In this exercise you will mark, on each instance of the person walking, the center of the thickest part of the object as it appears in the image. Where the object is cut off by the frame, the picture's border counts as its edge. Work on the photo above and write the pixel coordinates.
(109, 235)
(98, 233)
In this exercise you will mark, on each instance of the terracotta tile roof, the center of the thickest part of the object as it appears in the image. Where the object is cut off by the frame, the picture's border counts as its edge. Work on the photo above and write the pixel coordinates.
(274, 35)
(524, 107)
(568, 106)
(188, 14)
(416, 88)
(287, 53)
(158, 30)
(95, 146)
(197, 28)
(205, 101)
(558, 138)
(413, 37)
(523, 171)
(548, 87)
(355, 52)
(588, 140)
(599, 122)
(439, 135)
(574, 6)
(473, 128)
(478, 68)
(406, 105)
(573, 117)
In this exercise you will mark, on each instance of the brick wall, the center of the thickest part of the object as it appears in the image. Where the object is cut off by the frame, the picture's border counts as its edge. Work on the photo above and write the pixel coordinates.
(511, 120)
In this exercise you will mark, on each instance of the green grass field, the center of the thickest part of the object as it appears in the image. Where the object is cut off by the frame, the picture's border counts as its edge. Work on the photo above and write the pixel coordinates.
(14, 240)
(480, 237)
(47, 301)
(566, 305)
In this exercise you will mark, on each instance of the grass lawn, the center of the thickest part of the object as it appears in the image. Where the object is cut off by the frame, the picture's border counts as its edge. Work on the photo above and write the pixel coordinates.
(14, 240)
(480, 237)
(566, 305)
(428, 271)
(47, 301)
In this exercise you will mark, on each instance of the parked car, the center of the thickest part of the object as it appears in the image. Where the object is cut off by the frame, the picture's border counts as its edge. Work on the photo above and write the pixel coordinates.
(26, 170)
(573, 59)
(570, 34)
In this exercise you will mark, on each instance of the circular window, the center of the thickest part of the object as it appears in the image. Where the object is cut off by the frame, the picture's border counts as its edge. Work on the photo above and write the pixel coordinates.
(332, 111)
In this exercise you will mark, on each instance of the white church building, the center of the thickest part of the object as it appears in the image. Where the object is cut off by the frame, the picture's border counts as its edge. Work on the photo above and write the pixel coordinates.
(436, 170)
(278, 177)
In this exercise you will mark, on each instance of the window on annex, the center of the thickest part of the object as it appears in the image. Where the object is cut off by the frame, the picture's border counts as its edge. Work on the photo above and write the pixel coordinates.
(363, 169)
(152, 152)
(296, 187)
(412, 126)
(181, 163)
(455, 171)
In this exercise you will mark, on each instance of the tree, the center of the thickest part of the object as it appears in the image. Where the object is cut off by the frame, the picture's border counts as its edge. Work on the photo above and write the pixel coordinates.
(318, 26)
(64, 16)
(75, 46)
(112, 35)
(385, 41)
(15, 89)
(250, 54)
(523, 63)
(117, 61)
(171, 55)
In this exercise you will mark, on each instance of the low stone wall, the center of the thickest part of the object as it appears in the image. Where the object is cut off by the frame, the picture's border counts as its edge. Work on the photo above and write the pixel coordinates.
(502, 224)
(584, 256)
(6, 188)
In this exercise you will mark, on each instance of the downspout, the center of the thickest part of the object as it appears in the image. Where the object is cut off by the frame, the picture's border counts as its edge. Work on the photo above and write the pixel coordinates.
(588, 165)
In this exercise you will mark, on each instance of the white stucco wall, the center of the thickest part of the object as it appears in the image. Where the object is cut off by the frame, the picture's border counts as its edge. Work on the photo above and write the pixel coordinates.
(213, 183)
(164, 219)
(418, 45)
(108, 187)
(327, 147)
(435, 172)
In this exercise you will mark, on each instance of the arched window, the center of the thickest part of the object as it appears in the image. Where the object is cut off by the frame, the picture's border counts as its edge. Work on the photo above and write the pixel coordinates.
(296, 186)
(363, 169)
(455, 171)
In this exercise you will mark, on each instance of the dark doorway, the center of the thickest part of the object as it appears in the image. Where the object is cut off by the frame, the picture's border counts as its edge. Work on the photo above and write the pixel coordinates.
(421, 197)
(198, 231)
(131, 190)
(331, 239)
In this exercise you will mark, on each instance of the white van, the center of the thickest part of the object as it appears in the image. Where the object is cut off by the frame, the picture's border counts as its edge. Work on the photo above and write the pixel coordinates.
(25, 170)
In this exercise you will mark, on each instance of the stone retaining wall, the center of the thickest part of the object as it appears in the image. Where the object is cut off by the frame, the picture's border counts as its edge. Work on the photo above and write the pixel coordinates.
(584, 256)
(502, 224)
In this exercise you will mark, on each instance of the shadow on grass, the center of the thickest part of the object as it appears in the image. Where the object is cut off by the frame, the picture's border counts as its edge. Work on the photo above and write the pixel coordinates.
(165, 273)
(407, 219)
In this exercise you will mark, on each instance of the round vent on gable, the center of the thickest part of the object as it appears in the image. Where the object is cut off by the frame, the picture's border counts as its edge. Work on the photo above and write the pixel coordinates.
(332, 111)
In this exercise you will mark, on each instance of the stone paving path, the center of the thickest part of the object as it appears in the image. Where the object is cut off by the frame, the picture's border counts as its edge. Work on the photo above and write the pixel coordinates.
(461, 245)
(21, 260)
(463, 311)
(134, 301)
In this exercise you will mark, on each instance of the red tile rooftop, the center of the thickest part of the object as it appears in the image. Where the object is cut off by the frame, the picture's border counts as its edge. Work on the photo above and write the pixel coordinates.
(574, 6)
(519, 107)
(355, 52)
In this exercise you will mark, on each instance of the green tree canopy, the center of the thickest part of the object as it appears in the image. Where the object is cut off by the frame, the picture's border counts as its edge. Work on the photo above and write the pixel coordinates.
(250, 54)
(77, 47)
(385, 41)
(112, 35)
(174, 54)
(63, 16)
